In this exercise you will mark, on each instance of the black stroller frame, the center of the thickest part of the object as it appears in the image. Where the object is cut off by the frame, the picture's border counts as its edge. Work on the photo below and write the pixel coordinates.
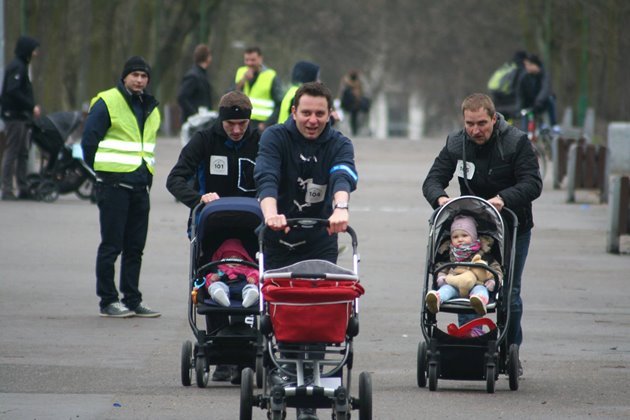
(312, 372)
(64, 172)
(446, 356)
(240, 342)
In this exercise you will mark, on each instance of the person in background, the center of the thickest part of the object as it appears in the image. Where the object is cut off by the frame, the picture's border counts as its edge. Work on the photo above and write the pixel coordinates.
(353, 99)
(303, 72)
(195, 91)
(18, 110)
(535, 90)
(119, 142)
(263, 87)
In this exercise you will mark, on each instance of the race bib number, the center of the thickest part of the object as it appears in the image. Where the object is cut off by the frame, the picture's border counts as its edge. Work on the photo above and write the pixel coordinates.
(218, 165)
(315, 193)
(470, 169)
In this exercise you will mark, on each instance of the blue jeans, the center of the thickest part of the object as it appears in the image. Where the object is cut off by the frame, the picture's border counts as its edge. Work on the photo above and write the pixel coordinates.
(448, 292)
(514, 333)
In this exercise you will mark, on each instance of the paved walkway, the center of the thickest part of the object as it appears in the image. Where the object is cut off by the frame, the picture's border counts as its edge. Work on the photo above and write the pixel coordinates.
(59, 359)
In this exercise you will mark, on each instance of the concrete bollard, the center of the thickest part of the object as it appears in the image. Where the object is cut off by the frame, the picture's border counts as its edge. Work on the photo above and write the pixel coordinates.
(618, 240)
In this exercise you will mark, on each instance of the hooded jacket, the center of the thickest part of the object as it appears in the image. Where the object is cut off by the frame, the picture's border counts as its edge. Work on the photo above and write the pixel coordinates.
(217, 164)
(17, 98)
(506, 165)
(303, 72)
(303, 175)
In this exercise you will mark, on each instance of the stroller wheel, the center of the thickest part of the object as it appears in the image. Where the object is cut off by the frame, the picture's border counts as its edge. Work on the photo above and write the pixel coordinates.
(365, 396)
(247, 394)
(512, 367)
(422, 364)
(85, 191)
(490, 378)
(187, 365)
(47, 191)
(433, 376)
(260, 377)
(201, 369)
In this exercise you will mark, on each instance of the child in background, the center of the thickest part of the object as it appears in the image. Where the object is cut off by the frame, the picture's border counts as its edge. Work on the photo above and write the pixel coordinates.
(465, 246)
(233, 277)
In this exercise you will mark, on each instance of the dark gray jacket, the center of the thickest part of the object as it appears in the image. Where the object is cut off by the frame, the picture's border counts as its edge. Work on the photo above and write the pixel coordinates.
(506, 165)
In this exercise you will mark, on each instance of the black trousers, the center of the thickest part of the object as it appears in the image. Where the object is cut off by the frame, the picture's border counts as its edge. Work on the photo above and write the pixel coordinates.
(15, 158)
(124, 219)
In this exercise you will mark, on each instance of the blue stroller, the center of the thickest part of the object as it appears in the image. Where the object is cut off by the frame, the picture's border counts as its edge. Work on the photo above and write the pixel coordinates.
(237, 340)
(445, 354)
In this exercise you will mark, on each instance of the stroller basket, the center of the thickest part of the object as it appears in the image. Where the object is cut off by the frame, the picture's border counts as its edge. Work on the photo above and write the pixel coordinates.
(307, 310)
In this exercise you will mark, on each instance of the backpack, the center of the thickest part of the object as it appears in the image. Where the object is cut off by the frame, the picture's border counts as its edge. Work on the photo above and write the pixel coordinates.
(503, 80)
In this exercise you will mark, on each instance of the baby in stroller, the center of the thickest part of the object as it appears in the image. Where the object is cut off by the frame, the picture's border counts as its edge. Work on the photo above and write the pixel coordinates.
(232, 279)
(474, 283)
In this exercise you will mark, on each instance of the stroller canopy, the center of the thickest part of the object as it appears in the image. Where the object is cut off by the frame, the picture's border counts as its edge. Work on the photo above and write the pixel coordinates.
(225, 218)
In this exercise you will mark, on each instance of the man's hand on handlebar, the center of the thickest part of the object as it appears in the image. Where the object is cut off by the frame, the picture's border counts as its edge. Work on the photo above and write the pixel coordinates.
(277, 222)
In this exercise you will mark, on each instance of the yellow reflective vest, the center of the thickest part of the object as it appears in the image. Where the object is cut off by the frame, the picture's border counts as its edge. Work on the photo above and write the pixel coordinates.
(285, 108)
(259, 93)
(124, 148)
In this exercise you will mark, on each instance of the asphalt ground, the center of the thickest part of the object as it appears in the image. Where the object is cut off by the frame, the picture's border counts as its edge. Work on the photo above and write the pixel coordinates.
(60, 360)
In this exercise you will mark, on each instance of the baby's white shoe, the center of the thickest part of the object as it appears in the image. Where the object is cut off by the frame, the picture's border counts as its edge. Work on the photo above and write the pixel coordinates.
(217, 293)
(250, 296)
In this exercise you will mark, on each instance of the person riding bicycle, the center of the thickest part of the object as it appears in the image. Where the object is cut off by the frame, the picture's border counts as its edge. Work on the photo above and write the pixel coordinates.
(504, 86)
(535, 90)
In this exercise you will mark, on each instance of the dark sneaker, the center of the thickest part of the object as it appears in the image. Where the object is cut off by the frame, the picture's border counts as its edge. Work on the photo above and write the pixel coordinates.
(222, 373)
(236, 376)
(116, 310)
(306, 414)
(9, 196)
(144, 311)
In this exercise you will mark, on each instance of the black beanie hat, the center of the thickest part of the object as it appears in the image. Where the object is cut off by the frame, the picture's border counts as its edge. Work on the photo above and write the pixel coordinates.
(136, 63)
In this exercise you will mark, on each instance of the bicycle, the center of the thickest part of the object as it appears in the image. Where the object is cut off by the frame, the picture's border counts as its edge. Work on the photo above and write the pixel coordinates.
(540, 138)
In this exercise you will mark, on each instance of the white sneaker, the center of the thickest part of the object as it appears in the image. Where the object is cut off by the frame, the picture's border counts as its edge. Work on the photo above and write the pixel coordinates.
(250, 297)
(432, 302)
(219, 296)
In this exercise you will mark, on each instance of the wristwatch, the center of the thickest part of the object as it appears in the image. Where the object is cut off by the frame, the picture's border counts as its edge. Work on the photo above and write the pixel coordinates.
(341, 205)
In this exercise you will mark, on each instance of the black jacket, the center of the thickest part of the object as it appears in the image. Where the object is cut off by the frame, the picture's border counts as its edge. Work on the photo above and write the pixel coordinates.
(17, 98)
(505, 165)
(194, 91)
(217, 164)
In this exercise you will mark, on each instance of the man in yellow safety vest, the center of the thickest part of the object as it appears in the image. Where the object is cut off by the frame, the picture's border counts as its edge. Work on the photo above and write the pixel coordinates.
(119, 144)
(263, 87)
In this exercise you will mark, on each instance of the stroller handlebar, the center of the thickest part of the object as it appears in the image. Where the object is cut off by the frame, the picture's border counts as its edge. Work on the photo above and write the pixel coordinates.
(304, 224)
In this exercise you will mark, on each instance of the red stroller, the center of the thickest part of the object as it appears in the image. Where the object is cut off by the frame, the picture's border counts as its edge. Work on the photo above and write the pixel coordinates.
(309, 317)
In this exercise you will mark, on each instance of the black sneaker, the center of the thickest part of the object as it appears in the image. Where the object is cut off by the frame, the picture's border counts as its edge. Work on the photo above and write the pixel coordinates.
(116, 310)
(307, 414)
(222, 373)
(144, 311)
(9, 196)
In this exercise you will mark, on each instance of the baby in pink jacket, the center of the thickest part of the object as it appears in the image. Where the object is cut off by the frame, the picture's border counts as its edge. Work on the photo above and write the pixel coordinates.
(230, 275)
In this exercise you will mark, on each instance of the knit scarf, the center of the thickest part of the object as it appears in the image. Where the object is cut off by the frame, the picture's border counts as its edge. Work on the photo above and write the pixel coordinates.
(465, 251)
